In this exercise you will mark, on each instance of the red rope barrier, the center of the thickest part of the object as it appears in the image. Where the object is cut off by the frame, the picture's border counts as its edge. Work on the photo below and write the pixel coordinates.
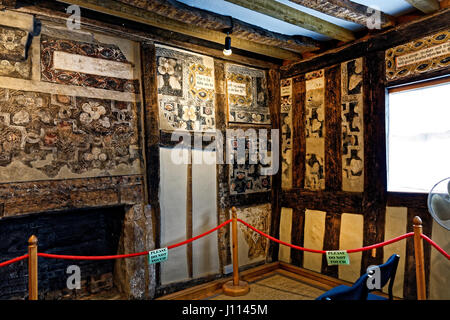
(279, 241)
(121, 256)
(382, 244)
(407, 235)
(67, 257)
(199, 236)
(434, 244)
(4, 264)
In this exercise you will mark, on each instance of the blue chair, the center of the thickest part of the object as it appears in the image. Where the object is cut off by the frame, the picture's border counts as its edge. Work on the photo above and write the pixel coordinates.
(359, 290)
(387, 271)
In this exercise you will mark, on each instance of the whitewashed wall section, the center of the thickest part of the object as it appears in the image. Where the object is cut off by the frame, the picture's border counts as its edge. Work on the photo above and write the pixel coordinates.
(395, 225)
(284, 252)
(173, 197)
(313, 239)
(351, 237)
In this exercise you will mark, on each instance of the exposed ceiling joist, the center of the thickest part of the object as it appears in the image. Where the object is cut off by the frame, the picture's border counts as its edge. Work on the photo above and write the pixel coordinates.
(347, 10)
(290, 15)
(132, 13)
(209, 20)
(426, 6)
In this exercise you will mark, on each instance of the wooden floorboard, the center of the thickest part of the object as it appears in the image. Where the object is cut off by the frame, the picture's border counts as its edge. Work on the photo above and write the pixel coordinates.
(213, 288)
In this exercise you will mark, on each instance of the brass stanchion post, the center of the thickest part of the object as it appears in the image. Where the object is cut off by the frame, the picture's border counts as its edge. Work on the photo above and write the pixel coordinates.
(32, 268)
(418, 252)
(235, 287)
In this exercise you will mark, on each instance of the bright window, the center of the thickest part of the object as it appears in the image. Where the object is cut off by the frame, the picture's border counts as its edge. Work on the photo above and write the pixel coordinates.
(418, 136)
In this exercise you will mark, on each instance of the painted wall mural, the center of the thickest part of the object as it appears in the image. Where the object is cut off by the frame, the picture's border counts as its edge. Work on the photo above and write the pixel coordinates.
(12, 53)
(185, 90)
(85, 64)
(46, 136)
(418, 56)
(247, 95)
(286, 133)
(315, 130)
(255, 246)
(352, 126)
(244, 172)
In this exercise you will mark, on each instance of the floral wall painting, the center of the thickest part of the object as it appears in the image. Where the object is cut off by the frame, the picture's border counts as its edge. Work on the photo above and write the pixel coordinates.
(185, 90)
(247, 95)
(12, 53)
(352, 126)
(315, 130)
(46, 136)
(286, 132)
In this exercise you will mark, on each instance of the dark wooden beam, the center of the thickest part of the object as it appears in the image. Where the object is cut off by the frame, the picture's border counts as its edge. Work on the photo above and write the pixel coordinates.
(331, 241)
(380, 41)
(122, 10)
(151, 129)
(100, 22)
(298, 132)
(273, 86)
(340, 201)
(290, 15)
(333, 129)
(297, 235)
(347, 10)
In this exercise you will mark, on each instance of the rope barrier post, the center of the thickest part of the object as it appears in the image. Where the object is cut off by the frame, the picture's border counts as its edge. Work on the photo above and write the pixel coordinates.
(235, 287)
(418, 252)
(32, 268)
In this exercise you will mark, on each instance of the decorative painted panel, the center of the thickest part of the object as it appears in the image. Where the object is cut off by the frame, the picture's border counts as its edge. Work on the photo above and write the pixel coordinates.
(185, 90)
(12, 53)
(245, 173)
(45, 136)
(247, 95)
(286, 132)
(315, 130)
(418, 56)
(252, 246)
(57, 64)
(352, 126)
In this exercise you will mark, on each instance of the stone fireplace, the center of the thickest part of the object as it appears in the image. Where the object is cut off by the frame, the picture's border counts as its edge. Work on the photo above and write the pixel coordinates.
(73, 232)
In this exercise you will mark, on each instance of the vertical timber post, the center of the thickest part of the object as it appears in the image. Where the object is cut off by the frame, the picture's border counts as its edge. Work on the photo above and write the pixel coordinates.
(32, 268)
(235, 287)
(418, 253)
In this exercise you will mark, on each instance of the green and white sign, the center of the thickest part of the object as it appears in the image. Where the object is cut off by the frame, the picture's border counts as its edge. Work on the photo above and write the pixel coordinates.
(158, 255)
(338, 257)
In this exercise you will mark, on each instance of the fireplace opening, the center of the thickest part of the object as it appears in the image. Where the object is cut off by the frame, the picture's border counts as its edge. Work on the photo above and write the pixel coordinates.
(86, 232)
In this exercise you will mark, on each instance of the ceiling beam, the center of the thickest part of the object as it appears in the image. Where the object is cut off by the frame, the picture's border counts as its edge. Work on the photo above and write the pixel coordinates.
(426, 6)
(349, 11)
(209, 20)
(132, 13)
(290, 15)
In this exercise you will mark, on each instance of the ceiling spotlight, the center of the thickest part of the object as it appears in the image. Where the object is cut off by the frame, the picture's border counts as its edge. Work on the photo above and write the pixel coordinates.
(227, 49)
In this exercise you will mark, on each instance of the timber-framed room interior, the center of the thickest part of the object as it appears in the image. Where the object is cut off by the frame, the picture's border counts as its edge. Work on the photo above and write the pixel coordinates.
(224, 150)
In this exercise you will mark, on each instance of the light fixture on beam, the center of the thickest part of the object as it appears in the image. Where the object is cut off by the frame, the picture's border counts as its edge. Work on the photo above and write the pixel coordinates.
(227, 48)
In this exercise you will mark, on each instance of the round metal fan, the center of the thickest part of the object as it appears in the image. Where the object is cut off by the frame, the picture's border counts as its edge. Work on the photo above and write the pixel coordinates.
(439, 203)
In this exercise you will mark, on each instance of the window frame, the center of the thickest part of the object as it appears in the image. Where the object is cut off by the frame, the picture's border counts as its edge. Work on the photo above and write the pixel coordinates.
(407, 86)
